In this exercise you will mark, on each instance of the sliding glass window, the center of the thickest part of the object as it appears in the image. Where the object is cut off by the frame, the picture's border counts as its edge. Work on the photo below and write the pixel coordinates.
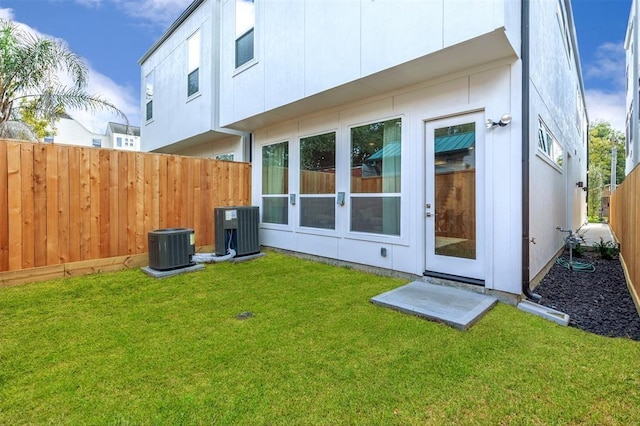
(318, 181)
(376, 150)
(275, 183)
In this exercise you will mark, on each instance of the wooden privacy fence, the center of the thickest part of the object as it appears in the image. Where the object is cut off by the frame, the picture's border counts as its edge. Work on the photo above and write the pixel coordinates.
(61, 204)
(624, 220)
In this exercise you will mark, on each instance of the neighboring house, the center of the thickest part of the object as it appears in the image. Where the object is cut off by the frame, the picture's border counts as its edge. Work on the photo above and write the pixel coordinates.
(631, 43)
(435, 137)
(117, 136)
(121, 136)
(72, 132)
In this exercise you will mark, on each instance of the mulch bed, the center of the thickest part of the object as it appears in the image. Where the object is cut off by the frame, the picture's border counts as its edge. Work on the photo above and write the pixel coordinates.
(598, 302)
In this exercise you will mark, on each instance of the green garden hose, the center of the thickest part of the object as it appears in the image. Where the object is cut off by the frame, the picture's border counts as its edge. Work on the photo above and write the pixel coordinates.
(576, 266)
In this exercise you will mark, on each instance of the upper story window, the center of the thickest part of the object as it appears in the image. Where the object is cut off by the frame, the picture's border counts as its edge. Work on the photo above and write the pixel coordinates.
(193, 64)
(119, 142)
(149, 96)
(564, 30)
(96, 142)
(245, 23)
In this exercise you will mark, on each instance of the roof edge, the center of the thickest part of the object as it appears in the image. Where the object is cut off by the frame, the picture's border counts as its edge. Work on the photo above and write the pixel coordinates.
(183, 17)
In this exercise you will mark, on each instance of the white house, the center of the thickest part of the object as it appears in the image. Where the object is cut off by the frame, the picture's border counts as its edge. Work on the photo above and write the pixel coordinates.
(633, 86)
(118, 136)
(444, 138)
(121, 136)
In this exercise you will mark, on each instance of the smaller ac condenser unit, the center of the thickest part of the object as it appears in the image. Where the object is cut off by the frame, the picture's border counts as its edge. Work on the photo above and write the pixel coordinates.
(237, 228)
(171, 248)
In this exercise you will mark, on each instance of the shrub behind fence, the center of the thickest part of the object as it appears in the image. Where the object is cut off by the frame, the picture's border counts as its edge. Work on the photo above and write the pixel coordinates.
(61, 204)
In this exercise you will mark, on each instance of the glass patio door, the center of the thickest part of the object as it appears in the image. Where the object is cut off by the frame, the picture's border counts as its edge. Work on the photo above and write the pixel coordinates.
(454, 202)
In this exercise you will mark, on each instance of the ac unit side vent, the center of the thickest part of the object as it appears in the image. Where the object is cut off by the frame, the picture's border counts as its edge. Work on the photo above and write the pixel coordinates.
(171, 248)
(237, 228)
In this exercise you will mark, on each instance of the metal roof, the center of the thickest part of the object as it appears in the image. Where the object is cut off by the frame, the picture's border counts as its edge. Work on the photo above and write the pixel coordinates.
(455, 142)
(392, 149)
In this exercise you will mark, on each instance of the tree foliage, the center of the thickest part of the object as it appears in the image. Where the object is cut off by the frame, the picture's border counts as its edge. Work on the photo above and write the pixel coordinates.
(602, 137)
(31, 72)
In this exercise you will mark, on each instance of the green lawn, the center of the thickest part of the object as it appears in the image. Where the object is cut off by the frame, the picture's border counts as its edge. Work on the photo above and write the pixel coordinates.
(124, 348)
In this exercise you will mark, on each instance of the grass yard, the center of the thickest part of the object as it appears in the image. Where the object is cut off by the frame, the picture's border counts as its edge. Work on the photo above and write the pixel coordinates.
(124, 348)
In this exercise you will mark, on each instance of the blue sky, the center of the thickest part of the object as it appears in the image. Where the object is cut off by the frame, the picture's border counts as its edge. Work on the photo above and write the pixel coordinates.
(112, 35)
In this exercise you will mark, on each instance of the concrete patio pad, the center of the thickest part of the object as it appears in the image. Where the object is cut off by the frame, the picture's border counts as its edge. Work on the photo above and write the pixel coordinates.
(453, 306)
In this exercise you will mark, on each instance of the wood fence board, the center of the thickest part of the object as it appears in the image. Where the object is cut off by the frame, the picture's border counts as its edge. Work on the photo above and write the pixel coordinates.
(162, 191)
(95, 200)
(187, 193)
(114, 216)
(207, 201)
(14, 204)
(148, 193)
(75, 213)
(53, 247)
(197, 200)
(123, 203)
(111, 264)
(23, 276)
(105, 203)
(131, 204)
(141, 242)
(4, 213)
(64, 214)
(154, 207)
(27, 207)
(171, 188)
(40, 203)
(84, 202)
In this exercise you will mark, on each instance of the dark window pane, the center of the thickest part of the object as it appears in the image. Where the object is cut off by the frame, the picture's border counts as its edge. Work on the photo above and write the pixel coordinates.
(149, 110)
(193, 82)
(376, 215)
(316, 212)
(244, 48)
(275, 210)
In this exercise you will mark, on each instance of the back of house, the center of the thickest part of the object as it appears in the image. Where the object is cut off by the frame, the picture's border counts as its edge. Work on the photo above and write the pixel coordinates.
(441, 137)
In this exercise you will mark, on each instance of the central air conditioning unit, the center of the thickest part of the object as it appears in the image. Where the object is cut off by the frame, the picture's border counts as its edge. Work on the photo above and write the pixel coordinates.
(171, 248)
(237, 228)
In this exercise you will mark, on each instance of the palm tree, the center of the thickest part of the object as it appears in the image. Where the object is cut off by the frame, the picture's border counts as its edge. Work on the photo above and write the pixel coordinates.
(30, 69)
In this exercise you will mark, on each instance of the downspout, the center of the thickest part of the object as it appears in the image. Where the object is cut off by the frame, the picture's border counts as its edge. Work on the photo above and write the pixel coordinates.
(524, 55)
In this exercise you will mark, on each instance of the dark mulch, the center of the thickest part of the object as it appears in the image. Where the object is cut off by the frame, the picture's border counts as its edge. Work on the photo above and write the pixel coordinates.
(598, 302)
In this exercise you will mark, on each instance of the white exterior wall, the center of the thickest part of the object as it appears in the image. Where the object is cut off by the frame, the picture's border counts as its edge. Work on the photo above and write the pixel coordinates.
(488, 89)
(113, 138)
(633, 86)
(305, 47)
(555, 200)
(71, 132)
(221, 147)
(177, 117)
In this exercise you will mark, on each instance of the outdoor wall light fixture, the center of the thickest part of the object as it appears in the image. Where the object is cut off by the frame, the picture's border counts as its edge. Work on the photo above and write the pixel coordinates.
(504, 120)
(580, 184)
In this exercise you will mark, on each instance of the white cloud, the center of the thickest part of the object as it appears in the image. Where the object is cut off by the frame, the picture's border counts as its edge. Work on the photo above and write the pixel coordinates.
(607, 106)
(154, 12)
(124, 98)
(609, 64)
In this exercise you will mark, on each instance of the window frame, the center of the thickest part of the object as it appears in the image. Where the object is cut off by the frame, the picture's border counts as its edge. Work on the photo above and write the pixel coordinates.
(548, 147)
(194, 44)
(311, 197)
(374, 195)
(148, 84)
(241, 33)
